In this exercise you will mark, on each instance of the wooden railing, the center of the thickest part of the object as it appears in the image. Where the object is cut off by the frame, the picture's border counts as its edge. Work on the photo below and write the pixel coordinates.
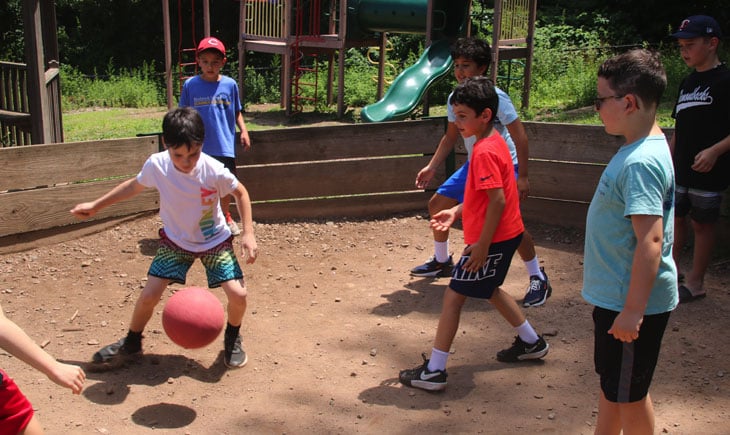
(16, 123)
(15, 126)
(265, 18)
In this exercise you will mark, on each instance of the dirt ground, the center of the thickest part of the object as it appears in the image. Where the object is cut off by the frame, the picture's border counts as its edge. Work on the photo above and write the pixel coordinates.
(333, 316)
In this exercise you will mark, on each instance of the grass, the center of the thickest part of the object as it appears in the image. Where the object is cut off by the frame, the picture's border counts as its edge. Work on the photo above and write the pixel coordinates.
(98, 124)
(588, 116)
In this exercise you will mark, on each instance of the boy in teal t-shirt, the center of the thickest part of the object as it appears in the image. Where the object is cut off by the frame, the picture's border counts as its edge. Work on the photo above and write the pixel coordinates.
(629, 274)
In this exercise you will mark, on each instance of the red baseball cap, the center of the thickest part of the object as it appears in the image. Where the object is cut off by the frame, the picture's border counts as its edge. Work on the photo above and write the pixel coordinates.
(212, 43)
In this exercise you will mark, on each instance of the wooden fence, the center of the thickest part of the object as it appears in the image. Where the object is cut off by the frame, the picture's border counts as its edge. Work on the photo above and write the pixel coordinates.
(361, 170)
(17, 125)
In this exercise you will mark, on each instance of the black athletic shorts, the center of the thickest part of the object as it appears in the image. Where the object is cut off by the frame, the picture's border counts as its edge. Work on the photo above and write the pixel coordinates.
(481, 284)
(228, 162)
(626, 369)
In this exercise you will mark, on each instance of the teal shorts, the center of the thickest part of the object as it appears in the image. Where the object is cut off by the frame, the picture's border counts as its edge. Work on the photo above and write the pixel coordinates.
(173, 262)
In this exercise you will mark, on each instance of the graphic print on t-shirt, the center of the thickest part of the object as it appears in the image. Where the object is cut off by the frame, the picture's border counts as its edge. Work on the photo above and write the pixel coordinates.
(208, 202)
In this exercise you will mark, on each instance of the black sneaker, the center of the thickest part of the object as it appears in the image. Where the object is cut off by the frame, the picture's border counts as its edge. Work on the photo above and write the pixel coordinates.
(114, 351)
(538, 291)
(521, 351)
(422, 378)
(235, 356)
(433, 268)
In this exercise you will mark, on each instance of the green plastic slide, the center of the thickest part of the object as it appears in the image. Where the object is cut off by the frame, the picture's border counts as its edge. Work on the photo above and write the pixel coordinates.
(408, 88)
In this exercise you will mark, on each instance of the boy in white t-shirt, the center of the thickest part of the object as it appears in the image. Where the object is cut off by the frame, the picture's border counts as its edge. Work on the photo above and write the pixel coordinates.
(190, 184)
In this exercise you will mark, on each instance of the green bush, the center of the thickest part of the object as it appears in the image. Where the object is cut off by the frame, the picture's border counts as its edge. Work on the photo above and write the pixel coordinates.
(132, 89)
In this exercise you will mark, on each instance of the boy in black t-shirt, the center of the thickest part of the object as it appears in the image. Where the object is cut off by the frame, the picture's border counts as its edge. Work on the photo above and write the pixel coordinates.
(700, 147)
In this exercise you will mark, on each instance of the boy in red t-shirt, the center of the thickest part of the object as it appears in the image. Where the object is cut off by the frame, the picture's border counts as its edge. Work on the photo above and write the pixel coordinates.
(493, 230)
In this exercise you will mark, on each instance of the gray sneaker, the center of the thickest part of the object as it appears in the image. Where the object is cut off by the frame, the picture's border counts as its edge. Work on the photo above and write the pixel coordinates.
(114, 352)
(235, 356)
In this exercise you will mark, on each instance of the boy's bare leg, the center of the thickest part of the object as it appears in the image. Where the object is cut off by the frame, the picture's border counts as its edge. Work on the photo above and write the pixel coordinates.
(636, 418)
(449, 320)
(701, 256)
(507, 307)
(527, 247)
(436, 204)
(147, 301)
(236, 293)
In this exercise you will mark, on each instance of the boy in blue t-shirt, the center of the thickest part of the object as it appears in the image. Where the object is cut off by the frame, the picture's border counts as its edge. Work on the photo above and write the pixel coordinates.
(472, 58)
(629, 274)
(216, 98)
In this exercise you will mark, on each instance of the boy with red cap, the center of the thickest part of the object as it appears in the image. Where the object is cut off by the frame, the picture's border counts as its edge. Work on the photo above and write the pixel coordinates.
(216, 97)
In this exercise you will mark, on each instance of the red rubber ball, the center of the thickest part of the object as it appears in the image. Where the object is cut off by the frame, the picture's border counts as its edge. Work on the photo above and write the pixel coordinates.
(193, 317)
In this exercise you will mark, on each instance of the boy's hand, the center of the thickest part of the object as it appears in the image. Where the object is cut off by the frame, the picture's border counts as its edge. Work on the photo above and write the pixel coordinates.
(523, 187)
(443, 220)
(84, 210)
(249, 248)
(477, 257)
(704, 160)
(626, 326)
(245, 141)
(424, 177)
(69, 376)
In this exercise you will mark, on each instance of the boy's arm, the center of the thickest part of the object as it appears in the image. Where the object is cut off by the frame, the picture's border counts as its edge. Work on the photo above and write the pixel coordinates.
(123, 191)
(445, 146)
(16, 342)
(245, 139)
(649, 236)
(705, 160)
(248, 240)
(519, 137)
(479, 251)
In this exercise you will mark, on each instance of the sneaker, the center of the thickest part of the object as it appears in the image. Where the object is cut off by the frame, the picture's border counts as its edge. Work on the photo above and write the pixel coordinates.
(538, 291)
(433, 268)
(114, 351)
(235, 356)
(232, 225)
(422, 378)
(521, 351)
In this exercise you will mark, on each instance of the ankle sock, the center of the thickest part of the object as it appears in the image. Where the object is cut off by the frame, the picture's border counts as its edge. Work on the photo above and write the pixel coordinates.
(231, 332)
(533, 268)
(527, 333)
(441, 251)
(133, 340)
(438, 360)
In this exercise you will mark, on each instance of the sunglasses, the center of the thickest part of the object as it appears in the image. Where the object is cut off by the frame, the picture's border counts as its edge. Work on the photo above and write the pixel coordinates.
(598, 102)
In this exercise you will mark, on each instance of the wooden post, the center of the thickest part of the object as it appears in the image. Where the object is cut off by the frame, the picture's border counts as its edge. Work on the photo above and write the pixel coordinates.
(168, 52)
(496, 31)
(381, 65)
(41, 129)
(530, 51)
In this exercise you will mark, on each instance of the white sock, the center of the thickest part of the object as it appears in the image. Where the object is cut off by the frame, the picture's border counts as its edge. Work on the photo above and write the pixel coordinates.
(533, 268)
(527, 333)
(438, 360)
(441, 251)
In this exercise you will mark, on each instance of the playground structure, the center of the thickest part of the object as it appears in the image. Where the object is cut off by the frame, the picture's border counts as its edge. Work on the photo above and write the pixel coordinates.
(304, 31)
(30, 96)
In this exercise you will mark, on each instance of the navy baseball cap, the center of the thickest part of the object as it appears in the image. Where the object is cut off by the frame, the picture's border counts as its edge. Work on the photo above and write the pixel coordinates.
(697, 26)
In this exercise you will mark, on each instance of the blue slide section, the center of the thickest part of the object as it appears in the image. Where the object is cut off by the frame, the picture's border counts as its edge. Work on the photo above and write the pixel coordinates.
(408, 88)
